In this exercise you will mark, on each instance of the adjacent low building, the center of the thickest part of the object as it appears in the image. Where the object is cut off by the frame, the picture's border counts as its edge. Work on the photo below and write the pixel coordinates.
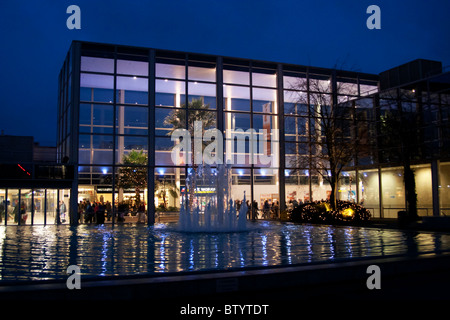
(34, 188)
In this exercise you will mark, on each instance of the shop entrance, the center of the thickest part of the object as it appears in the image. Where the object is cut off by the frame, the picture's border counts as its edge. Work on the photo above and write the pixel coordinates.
(25, 206)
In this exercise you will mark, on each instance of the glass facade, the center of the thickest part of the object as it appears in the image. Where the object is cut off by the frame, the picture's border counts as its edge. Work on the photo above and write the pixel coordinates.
(444, 188)
(120, 109)
(34, 206)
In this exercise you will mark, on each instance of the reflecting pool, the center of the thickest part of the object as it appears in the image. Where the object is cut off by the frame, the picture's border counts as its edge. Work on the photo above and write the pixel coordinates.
(45, 252)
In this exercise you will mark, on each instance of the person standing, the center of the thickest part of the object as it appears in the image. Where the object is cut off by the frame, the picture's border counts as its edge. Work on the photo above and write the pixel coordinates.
(62, 210)
(80, 211)
(254, 210)
(275, 209)
(266, 210)
(141, 213)
(88, 213)
(108, 210)
(100, 213)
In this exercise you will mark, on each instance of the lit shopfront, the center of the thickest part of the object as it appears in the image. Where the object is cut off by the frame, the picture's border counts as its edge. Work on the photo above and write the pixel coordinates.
(34, 206)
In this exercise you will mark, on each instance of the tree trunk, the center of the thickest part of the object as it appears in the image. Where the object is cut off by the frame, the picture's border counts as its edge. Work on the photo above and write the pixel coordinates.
(164, 198)
(137, 197)
(410, 192)
(333, 195)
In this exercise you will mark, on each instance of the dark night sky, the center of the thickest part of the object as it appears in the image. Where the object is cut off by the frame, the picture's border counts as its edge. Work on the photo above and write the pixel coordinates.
(35, 39)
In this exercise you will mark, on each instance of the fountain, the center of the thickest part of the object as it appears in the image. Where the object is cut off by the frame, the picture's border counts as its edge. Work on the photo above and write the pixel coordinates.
(207, 205)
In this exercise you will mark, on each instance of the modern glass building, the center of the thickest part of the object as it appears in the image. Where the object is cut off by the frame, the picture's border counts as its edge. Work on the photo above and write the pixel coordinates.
(119, 106)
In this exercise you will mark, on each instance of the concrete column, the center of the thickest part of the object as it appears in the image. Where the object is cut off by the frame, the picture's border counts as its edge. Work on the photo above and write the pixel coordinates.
(151, 140)
(435, 187)
(281, 140)
(73, 155)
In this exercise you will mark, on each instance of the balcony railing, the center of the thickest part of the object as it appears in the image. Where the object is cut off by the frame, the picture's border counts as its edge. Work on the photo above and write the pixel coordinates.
(36, 171)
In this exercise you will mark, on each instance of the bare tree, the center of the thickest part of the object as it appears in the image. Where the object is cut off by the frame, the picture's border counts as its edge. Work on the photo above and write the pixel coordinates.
(400, 136)
(330, 130)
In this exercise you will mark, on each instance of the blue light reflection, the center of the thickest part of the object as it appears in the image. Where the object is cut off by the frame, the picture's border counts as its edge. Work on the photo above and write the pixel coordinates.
(45, 252)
